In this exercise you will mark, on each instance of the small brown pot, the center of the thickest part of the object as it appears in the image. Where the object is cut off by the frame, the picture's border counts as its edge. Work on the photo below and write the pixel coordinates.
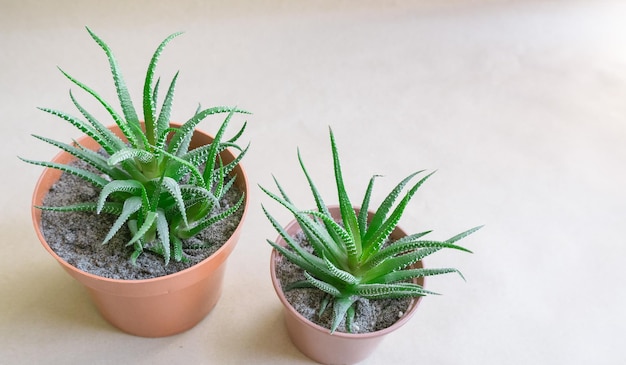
(317, 342)
(160, 306)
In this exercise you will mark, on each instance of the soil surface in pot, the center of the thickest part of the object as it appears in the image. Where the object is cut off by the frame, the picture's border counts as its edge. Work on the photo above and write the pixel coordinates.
(371, 315)
(77, 236)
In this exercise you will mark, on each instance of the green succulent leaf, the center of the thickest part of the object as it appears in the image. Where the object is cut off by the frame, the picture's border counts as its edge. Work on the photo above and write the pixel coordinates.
(342, 275)
(88, 156)
(402, 275)
(131, 206)
(319, 238)
(341, 306)
(116, 117)
(163, 230)
(96, 180)
(396, 263)
(110, 208)
(401, 290)
(383, 210)
(319, 202)
(144, 228)
(149, 94)
(209, 221)
(125, 154)
(111, 141)
(322, 285)
(399, 247)
(377, 239)
(126, 186)
(179, 145)
(122, 92)
(347, 211)
(163, 121)
(365, 206)
(172, 187)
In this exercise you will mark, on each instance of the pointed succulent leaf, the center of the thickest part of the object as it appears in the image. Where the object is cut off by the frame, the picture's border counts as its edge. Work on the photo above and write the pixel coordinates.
(340, 235)
(179, 144)
(110, 208)
(192, 231)
(341, 305)
(319, 202)
(113, 142)
(401, 290)
(213, 150)
(177, 173)
(340, 274)
(162, 140)
(317, 236)
(365, 206)
(163, 120)
(120, 85)
(149, 99)
(403, 275)
(133, 187)
(307, 262)
(163, 230)
(321, 285)
(348, 214)
(406, 246)
(282, 192)
(383, 210)
(172, 187)
(145, 227)
(92, 158)
(396, 263)
(116, 117)
(321, 206)
(81, 125)
(126, 154)
(239, 133)
(463, 234)
(131, 206)
(378, 237)
(350, 314)
(88, 176)
(202, 193)
(177, 245)
(312, 259)
(155, 94)
(231, 165)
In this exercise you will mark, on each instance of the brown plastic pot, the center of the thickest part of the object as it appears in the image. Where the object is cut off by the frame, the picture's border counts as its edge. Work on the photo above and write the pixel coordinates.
(160, 306)
(317, 342)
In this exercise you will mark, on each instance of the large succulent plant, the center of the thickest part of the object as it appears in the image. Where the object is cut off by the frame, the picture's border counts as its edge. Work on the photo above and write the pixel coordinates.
(353, 257)
(151, 180)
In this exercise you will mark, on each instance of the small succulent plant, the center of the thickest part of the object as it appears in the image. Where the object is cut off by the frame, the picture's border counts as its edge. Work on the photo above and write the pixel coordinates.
(151, 180)
(353, 257)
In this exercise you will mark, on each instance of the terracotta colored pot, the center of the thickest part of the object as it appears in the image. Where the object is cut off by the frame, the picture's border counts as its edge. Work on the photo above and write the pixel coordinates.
(315, 341)
(160, 306)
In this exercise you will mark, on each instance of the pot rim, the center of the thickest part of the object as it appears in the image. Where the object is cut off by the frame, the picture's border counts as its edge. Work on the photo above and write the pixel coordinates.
(225, 249)
(275, 255)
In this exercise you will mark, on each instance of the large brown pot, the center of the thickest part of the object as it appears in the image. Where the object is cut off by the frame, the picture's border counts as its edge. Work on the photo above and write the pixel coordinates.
(160, 306)
(317, 342)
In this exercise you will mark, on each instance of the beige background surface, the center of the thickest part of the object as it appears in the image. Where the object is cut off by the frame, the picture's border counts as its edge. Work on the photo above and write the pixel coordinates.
(519, 105)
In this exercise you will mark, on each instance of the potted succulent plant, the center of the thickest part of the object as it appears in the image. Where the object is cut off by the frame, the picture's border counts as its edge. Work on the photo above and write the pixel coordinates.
(331, 265)
(164, 189)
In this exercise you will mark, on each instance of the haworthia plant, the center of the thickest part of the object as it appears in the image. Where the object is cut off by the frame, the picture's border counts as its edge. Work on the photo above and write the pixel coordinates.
(354, 257)
(151, 180)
